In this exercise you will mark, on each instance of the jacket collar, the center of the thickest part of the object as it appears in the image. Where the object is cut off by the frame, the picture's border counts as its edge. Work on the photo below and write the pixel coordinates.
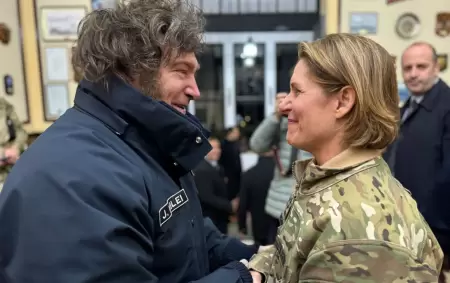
(124, 109)
(309, 174)
(429, 98)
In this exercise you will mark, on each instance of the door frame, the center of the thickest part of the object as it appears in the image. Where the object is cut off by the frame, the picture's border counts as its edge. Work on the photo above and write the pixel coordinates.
(269, 40)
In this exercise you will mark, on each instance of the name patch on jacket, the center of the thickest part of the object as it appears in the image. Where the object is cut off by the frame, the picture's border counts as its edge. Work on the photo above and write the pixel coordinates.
(173, 203)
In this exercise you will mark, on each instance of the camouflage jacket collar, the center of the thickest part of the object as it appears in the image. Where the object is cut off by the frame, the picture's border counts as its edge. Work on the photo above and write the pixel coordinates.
(312, 177)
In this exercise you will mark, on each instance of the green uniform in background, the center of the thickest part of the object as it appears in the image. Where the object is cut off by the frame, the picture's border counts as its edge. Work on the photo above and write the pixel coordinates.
(12, 134)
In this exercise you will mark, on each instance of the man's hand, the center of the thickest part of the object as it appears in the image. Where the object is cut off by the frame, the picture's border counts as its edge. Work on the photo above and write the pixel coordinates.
(257, 277)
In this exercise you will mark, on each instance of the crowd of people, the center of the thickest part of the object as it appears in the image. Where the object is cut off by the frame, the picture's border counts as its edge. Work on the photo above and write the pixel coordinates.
(128, 186)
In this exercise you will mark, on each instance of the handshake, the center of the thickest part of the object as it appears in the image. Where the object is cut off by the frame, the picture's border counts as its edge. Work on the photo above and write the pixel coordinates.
(257, 277)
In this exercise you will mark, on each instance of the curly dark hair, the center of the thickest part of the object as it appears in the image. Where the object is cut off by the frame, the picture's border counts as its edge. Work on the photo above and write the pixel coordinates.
(134, 39)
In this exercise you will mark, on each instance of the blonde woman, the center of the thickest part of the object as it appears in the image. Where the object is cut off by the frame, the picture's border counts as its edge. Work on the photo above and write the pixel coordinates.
(349, 219)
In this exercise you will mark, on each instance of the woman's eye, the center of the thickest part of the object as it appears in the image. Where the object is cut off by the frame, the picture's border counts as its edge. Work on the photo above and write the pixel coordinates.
(297, 92)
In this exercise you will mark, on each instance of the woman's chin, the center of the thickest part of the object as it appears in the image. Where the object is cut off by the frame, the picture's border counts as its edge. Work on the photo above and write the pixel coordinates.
(292, 139)
(296, 141)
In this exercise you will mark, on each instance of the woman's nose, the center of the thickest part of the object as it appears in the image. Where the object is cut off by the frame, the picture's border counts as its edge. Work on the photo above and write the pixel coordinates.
(285, 105)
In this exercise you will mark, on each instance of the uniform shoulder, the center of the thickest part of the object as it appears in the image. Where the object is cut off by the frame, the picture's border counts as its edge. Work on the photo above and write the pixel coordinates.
(371, 205)
(4, 101)
(5, 105)
(372, 260)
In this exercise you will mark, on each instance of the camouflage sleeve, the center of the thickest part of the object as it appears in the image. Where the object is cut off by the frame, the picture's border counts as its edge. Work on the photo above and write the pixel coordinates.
(372, 262)
(262, 262)
(21, 136)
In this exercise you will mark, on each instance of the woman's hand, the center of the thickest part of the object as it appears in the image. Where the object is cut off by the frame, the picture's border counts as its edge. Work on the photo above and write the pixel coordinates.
(257, 277)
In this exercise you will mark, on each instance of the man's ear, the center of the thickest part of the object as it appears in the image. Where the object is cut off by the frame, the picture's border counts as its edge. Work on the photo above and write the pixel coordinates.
(346, 100)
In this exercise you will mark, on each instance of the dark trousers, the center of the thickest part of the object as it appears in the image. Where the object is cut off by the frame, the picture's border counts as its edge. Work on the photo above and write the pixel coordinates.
(273, 229)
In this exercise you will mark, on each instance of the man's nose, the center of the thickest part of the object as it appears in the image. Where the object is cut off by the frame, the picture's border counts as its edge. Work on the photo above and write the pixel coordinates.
(414, 72)
(193, 90)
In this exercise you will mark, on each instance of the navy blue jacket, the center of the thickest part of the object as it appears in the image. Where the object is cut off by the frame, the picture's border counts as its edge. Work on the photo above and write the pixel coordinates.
(420, 158)
(106, 194)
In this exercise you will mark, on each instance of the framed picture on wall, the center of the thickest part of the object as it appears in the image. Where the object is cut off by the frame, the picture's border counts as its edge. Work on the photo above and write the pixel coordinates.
(60, 23)
(56, 100)
(57, 67)
(363, 23)
(104, 4)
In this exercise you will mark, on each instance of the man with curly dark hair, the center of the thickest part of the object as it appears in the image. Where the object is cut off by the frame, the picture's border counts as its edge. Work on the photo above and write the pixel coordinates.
(106, 194)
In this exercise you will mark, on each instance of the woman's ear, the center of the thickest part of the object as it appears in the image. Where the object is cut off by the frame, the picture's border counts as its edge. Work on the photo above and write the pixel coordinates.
(346, 100)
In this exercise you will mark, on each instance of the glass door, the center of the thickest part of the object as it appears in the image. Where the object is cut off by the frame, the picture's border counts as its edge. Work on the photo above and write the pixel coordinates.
(287, 54)
(249, 62)
(209, 108)
(236, 90)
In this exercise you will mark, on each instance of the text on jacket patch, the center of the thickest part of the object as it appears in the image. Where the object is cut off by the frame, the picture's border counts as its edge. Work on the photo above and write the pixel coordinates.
(174, 202)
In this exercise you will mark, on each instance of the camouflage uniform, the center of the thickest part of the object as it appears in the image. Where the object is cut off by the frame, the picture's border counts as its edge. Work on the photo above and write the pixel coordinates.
(11, 134)
(351, 221)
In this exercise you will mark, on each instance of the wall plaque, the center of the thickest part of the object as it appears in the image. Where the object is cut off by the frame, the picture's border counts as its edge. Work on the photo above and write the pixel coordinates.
(443, 24)
(393, 1)
(408, 26)
(5, 34)
(442, 60)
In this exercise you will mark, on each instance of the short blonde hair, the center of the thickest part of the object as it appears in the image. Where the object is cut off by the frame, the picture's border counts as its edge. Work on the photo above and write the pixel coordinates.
(340, 60)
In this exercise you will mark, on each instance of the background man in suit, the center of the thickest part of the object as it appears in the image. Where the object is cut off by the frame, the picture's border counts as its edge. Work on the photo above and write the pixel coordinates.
(423, 144)
(252, 198)
(230, 161)
(212, 188)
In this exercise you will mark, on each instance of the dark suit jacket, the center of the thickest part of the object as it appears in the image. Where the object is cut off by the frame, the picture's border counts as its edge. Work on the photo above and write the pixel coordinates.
(230, 160)
(255, 185)
(213, 194)
(423, 146)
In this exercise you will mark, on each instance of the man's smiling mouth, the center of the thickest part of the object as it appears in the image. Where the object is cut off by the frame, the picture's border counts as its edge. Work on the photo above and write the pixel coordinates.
(180, 108)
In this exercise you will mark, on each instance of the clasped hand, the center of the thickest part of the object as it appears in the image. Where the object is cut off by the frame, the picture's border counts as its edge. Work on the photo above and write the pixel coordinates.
(256, 276)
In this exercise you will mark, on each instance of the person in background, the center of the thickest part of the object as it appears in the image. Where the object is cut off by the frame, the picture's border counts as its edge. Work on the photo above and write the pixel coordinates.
(212, 189)
(230, 161)
(106, 193)
(252, 198)
(270, 135)
(13, 139)
(418, 157)
(348, 219)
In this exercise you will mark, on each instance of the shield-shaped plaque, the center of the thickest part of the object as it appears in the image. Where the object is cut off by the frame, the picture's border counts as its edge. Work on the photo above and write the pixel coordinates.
(442, 60)
(442, 28)
(5, 33)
